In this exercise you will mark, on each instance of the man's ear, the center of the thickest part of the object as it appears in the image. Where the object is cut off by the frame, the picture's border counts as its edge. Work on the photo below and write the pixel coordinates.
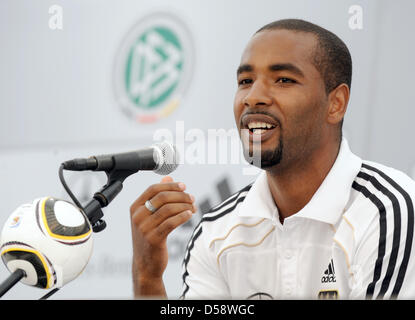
(338, 100)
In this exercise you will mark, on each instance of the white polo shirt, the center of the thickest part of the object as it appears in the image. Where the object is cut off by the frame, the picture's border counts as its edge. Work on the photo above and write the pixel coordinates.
(353, 240)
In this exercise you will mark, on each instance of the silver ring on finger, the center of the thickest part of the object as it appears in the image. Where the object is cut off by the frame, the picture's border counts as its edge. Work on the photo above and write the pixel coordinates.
(150, 206)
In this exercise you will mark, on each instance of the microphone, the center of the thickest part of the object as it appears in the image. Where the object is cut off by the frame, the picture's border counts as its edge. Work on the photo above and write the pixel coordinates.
(162, 158)
(46, 244)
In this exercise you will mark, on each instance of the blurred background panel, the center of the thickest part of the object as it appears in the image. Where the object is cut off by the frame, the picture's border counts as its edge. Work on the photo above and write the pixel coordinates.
(87, 77)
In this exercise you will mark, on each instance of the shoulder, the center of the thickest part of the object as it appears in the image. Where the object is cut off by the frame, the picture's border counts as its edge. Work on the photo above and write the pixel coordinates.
(389, 190)
(379, 227)
(381, 207)
(216, 219)
(380, 194)
(386, 177)
(227, 206)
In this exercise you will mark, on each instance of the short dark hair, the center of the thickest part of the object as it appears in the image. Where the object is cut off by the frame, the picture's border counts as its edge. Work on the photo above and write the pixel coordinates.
(331, 57)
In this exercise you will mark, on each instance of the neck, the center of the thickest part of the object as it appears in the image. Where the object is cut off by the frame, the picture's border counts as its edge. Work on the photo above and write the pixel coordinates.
(294, 186)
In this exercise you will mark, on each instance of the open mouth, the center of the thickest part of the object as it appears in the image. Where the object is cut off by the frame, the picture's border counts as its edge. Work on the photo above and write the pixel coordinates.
(259, 125)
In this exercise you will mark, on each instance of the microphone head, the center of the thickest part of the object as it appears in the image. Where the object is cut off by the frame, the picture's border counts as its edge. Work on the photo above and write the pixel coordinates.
(49, 239)
(167, 158)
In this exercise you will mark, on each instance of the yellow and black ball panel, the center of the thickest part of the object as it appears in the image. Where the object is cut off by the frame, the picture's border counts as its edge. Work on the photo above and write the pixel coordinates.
(62, 221)
(38, 269)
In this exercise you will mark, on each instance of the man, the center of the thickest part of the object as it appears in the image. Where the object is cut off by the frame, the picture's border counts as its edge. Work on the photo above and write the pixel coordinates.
(318, 222)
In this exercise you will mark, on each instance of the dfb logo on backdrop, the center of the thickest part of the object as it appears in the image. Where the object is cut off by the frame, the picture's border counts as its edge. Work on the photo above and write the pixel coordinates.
(153, 67)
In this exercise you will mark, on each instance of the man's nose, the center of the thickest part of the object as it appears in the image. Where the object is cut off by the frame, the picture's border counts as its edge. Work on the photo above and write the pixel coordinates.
(258, 95)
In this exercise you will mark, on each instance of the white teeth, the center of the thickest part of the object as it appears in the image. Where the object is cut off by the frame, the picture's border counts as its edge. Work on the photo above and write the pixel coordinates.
(258, 131)
(259, 125)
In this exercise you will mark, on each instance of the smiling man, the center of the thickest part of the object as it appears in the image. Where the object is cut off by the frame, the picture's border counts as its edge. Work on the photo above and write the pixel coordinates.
(290, 98)
(318, 222)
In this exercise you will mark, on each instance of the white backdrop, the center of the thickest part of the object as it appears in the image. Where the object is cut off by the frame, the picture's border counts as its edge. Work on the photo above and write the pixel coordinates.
(57, 102)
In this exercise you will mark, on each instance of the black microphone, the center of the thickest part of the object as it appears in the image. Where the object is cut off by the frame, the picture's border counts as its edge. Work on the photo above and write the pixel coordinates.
(162, 158)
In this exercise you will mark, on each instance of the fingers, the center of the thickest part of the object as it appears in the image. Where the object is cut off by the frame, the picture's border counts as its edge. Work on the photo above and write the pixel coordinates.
(167, 203)
(164, 213)
(164, 197)
(168, 198)
(154, 189)
(161, 232)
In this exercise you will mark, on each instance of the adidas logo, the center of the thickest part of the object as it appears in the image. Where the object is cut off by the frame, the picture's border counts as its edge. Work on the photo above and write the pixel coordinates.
(329, 275)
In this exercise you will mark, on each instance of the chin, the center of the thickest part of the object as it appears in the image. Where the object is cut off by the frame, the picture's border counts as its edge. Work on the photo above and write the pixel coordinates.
(264, 158)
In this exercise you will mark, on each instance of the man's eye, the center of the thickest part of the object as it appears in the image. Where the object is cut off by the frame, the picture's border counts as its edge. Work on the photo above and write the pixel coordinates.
(285, 80)
(244, 81)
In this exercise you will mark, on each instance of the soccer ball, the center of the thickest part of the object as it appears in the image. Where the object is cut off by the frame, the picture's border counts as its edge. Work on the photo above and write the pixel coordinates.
(50, 239)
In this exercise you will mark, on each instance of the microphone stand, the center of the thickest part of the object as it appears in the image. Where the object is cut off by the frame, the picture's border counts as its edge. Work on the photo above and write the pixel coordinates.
(14, 278)
(103, 197)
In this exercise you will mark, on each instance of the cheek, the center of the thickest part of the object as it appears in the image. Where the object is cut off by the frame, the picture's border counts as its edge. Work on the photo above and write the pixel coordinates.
(306, 120)
(237, 108)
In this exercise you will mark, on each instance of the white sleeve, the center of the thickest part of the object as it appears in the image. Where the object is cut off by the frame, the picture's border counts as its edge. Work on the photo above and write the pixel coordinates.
(201, 276)
(384, 266)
